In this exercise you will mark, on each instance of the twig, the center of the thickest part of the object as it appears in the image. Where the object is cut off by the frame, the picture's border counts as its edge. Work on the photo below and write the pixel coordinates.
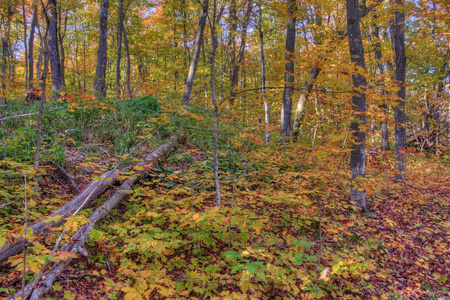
(68, 176)
(25, 202)
(6, 204)
(18, 116)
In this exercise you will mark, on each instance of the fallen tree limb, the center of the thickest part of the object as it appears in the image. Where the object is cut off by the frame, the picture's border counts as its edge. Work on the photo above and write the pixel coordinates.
(76, 243)
(68, 176)
(40, 229)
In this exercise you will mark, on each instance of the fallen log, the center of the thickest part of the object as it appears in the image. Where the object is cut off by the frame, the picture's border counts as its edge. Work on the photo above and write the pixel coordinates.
(40, 229)
(77, 241)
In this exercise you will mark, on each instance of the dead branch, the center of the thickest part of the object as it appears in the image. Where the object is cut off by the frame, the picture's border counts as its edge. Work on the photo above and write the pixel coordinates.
(68, 176)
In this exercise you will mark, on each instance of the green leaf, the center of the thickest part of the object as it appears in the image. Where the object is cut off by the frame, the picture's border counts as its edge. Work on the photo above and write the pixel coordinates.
(236, 268)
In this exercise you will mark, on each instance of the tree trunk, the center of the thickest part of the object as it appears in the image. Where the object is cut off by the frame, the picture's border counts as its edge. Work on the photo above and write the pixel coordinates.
(31, 48)
(196, 55)
(25, 46)
(127, 55)
(235, 68)
(61, 35)
(398, 41)
(187, 56)
(119, 48)
(216, 108)
(286, 108)
(263, 75)
(302, 99)
(4, 68)
(358, 154)
(53, 45)
(102, 54)
(380, 70)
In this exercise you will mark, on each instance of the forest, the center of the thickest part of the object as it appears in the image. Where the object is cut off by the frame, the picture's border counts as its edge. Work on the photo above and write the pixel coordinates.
(225, 149)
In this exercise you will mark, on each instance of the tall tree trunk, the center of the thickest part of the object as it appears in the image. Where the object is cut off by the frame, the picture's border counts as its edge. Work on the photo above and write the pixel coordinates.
(196, 55)
(380, 70)
(84, 65)
(5, 40)
(102, 54)
(286, 108)
(53, 45)
(127, 55)
(61, 36)
(306, 90)
(398, 40)
(43, 84)
(119, 48)
(235, 68)
(4, 68)
(263, 75)
(187, 56)
(358, 154)
(216, 107)
(31, 48)
(25, 45)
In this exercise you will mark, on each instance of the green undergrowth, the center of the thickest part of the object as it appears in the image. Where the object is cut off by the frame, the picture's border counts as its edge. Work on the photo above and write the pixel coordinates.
(90, 129)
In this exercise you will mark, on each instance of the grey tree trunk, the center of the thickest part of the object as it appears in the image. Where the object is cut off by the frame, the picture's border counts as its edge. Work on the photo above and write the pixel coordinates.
(25, 47)
(235, 68)
(31, 48)
(61, 35)
(216, 107)
(4, 68)
(286, 108)
(127, 55)
(380, 70)
(102, 54)
(358, 154)
(263, 75)
(196, 55)
(306, 90)
(119, 47)
(53, 45)
(398, 41)
(5, 40)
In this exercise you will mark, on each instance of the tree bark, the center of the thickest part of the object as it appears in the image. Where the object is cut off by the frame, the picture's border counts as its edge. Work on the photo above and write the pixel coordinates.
(31, 48)
(53, 45)
(102, 54)
(196, 55)
(359, 109)
(61, 36)
(306, 90)
(119, 48)
(235, 67)
(398, 41)
(380, 70)
(127, 55)
(216, 108)
(25, 46)
(263, 76)
(286, 108)
(4, 68)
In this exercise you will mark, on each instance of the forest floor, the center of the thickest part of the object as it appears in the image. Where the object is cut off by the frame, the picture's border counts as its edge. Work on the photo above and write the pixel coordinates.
(286, 228)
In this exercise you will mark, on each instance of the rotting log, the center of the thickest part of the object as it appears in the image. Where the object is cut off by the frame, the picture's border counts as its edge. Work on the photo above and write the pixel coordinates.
(95, 189)
(76, 242)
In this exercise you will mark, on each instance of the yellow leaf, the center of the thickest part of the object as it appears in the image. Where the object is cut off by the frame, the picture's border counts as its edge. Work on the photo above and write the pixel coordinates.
(65, 255)
(139, 168)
